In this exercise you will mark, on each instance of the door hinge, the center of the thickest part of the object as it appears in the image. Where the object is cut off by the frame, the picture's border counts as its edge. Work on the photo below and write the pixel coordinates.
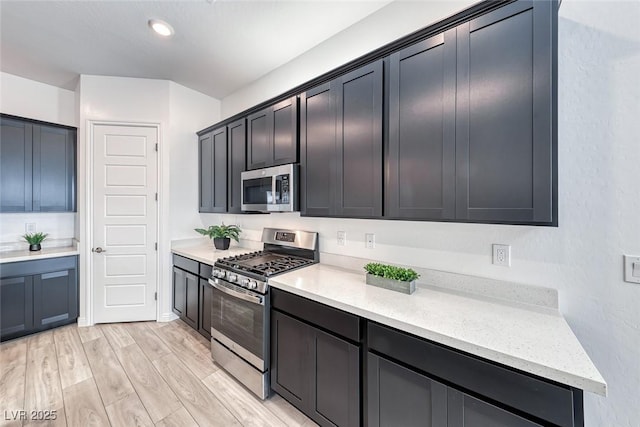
(155, 296)
(156, 197)
(156, 245)
(156, 146)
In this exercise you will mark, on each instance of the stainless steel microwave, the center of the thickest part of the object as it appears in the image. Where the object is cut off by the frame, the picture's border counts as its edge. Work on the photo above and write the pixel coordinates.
(273, 189)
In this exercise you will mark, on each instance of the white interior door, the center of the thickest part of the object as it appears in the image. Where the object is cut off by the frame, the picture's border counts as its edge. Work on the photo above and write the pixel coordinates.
(124, 222)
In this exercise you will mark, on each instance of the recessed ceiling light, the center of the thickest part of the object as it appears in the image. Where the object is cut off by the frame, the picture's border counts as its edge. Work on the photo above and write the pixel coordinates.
(161, 27)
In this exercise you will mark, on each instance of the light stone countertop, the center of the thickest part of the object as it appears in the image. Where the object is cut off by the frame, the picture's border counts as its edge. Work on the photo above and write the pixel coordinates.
(533, 340)
(26, 255)
(208, 254)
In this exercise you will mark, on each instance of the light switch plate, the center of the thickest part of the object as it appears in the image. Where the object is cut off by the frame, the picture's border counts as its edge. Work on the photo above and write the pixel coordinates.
(30, 227)
(370, 240)
(342, 238)
(632, 269)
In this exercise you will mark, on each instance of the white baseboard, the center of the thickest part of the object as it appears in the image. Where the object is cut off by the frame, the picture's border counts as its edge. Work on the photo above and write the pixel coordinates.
(167, 317)
(82, 321)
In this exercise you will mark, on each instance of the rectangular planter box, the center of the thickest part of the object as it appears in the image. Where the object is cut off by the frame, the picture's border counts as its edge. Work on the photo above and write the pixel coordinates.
(393, 285)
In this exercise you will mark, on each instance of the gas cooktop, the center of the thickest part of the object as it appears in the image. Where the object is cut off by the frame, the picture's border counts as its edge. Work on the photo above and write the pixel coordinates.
(263, 263)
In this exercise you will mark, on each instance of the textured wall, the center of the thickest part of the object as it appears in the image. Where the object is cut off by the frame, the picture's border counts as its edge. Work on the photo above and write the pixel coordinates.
(599, 201)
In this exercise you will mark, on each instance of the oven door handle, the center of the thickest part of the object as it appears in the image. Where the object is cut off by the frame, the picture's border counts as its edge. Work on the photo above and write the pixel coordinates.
(251, 298)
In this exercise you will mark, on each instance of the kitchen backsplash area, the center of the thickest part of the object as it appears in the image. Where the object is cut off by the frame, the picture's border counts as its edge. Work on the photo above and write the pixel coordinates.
(59, 226)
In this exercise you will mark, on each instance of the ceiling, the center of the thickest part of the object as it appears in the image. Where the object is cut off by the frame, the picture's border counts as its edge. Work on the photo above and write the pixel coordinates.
(218, 47)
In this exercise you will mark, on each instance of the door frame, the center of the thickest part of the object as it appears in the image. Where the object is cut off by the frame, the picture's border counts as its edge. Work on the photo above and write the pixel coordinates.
(88, 318)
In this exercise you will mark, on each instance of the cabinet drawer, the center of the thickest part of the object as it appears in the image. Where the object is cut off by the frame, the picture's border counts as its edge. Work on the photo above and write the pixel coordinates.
(205, 270)
(186, 264)
(40, 266)
(331, 319)
(548, 401)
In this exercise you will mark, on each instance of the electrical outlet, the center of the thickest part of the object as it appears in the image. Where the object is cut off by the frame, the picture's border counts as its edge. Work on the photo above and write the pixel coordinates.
(30, 227)
(342, 238)
(632, 269)
(370, 240)
(502, 255)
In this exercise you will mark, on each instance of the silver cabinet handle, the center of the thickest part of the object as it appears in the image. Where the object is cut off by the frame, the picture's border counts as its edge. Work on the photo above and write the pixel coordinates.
(98, 250)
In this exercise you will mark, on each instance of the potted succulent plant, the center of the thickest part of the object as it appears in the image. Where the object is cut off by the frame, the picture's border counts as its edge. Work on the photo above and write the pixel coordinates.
(221, 234)
(390, 277)
(34, 240)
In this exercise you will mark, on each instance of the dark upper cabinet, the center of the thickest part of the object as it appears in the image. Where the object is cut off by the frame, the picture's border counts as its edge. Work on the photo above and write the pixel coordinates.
(54, 165)
(237, 158)
(16, 145)
(272, 135)
(421, 144)
(38, 167)
(505, 131)
(213, 171)
(398, 396)
(38, 295)
(341, 145)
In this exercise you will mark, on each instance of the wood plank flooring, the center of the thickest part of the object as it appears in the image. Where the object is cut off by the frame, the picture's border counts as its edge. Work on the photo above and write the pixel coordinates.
(127, 374)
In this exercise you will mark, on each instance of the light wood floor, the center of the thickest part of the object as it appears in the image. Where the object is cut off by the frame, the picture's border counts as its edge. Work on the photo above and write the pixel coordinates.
(127, 374)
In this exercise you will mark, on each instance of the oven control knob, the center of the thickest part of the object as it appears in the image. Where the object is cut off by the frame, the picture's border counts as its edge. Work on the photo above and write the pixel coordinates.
(220, 274)
(232, 277)
(244, 282)
(252, 284)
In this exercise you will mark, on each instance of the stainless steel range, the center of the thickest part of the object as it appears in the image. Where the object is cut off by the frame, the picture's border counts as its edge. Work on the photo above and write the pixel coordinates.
(240, 308)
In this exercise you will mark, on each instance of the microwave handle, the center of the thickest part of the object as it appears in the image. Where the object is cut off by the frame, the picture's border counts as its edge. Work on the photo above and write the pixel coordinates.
(251, 298)
(273, 189)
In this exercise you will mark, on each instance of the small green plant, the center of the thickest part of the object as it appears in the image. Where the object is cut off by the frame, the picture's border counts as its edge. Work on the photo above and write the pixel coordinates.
(221, 231)
(35, 238)
(391, 272)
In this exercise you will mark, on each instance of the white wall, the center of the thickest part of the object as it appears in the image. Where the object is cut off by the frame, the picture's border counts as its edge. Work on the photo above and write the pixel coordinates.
(381, 27)
(180, 112)
(34, 100)
(599, 197)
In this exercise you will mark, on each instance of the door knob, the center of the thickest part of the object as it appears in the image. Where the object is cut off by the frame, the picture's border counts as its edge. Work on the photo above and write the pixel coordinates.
(98, 250)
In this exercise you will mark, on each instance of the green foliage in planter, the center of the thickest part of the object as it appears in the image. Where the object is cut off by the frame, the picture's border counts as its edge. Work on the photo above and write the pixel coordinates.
(221, 231)
(391, 272)
(35, 238)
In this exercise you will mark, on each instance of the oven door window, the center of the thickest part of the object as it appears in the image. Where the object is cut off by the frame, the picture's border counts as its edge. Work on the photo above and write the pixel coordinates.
(239, 320)
(257, 191)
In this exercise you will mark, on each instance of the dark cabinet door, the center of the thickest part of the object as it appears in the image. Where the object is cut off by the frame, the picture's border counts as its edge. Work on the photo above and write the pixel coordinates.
(205, 154)
(55, 298)
(54, 165)
(204, 312)
(213, 171)
(284, 132)
(335, 396)
(398, 396)
(237, 135)
(192, 293)
(16, 306)
(318, 151)
(421, 152)
(291, 368)
(179, 292)
(467, 411)
(505, 136)
(272, 135)
(359, 142)
(15, 165)
(259, 151)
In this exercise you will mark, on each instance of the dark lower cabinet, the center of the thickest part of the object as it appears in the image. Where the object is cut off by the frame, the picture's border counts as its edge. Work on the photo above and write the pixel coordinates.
(397, 396)
(37, 166)
(465, 410)
(192, 294)
(204, 308)
(38, 295)
(185, 296)
(318, 372)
